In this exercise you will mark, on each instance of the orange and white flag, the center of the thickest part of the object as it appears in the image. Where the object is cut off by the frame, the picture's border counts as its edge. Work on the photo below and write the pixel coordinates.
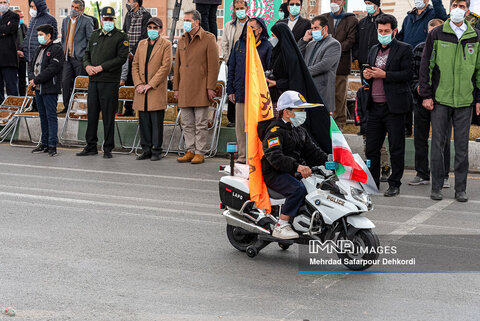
(258, 107)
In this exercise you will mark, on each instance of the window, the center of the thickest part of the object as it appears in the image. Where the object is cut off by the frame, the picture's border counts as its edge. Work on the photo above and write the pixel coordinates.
(179, 32)
(170, 13)
(313, 3)
(152, 11)
(220, 13)
(220, 32)
(63, 12)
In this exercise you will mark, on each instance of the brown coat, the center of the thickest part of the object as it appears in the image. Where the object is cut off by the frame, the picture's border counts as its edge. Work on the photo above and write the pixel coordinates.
(196, 69)
(159, 66)
(345, 33)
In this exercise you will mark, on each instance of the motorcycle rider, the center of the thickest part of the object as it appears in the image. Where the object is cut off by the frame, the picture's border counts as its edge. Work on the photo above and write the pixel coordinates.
(288, 148)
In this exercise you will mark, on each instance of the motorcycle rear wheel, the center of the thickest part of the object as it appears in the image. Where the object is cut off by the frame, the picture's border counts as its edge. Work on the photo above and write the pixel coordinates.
(363, 238)
(240, 238)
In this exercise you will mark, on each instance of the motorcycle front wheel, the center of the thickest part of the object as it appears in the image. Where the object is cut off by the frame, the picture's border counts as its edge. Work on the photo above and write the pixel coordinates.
(240, 238)
(365, 239)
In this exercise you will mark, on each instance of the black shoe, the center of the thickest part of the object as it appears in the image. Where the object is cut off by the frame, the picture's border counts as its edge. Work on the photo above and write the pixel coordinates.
(436, 196)
(408, 133)
(385, 174)
(86, 152)
(144, 155)
(52, 151)
(155, 157)
(461, 197)
(231, 125)
(392, 191)
(107, 155)
(40, 149)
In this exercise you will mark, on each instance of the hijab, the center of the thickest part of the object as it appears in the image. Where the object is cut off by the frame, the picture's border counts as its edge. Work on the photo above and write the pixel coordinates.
(300, 79)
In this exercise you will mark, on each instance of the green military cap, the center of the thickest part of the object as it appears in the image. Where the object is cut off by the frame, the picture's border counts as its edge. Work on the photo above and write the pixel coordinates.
(108, 12)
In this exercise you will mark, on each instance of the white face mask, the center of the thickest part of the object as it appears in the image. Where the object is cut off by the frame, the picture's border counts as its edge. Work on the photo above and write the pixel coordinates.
(457, 15)
(33, 13)
(334, 7)
(273, 41)
(3, 8)
(299, 119)
(419, 4)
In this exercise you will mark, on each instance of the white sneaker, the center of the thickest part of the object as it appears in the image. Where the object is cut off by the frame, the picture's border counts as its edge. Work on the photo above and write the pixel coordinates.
(446, 183)
(285, 232)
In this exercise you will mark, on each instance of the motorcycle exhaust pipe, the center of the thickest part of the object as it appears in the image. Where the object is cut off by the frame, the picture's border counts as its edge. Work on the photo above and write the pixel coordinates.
(238, 221)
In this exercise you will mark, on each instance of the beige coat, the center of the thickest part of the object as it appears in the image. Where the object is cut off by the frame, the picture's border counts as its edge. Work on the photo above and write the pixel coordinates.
(159, 66)
(196, 69)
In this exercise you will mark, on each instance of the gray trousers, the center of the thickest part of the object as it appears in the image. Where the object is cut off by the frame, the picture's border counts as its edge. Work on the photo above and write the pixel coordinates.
(194, 122)
(461, 119)
(240, 132)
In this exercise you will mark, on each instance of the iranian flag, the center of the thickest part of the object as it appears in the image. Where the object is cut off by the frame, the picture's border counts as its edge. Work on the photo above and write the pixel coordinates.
(342, 154)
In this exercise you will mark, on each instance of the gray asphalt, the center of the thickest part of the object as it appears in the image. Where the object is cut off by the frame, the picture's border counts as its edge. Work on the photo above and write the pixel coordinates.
(94, 239)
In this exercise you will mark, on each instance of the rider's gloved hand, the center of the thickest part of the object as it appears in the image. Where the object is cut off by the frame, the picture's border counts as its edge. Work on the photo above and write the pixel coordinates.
(304, 170)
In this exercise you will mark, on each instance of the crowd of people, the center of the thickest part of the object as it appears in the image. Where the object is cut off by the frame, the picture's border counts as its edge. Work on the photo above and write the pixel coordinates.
(425, 72)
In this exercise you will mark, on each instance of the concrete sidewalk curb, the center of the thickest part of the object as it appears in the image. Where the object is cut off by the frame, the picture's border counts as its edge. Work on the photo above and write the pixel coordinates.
(77, 129)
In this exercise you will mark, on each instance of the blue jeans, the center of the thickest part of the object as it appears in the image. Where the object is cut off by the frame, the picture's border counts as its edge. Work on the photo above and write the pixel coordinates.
(47, 108)
(293, 190)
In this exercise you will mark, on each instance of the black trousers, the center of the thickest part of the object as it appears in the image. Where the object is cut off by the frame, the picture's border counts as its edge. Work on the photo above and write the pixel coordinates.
(380, 122)
(420, 140)
(444, 117)
(231, 112)
(102, 97)
(8, 79)
(209, 17)
(71, 69)
(129, 82)
(151, 130)
(22, 77)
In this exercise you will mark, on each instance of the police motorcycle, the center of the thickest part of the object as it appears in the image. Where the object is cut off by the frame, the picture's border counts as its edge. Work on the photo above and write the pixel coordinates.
(332, 211)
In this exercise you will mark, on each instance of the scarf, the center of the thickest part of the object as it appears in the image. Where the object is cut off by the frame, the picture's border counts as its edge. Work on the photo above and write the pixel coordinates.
(135, 30)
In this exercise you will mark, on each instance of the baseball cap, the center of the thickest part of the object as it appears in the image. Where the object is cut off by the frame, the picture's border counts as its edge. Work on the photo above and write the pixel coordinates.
(293, 99)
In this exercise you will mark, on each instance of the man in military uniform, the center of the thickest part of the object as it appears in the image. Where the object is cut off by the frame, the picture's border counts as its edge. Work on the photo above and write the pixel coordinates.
(288, 149)
(106, 52)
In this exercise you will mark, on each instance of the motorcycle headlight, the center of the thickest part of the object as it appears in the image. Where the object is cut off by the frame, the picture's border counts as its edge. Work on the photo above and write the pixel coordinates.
(361, 196)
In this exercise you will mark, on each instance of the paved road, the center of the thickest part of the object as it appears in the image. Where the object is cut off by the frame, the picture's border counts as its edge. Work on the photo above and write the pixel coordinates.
(95, 239)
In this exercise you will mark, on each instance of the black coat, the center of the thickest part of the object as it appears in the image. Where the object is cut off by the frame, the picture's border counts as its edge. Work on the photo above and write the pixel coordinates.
(367, 37)
(50, 76)
(8, 37)
(126, 26)
(291, 73)
(300, 28)
(399, 76)
(285, 147)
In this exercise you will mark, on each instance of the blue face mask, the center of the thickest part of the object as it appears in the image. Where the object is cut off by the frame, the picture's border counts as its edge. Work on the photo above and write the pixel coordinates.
(241, 14)
(317, 35)
(152, 34)
(385, 40)
(294, 10)
(299, 119)
(370, 8)
(108, 26)
(20, 22)
(187, 26)
(41, 40)
(281, 15)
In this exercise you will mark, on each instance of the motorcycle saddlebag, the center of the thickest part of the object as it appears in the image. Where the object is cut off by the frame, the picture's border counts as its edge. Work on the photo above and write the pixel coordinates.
(233, 192)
